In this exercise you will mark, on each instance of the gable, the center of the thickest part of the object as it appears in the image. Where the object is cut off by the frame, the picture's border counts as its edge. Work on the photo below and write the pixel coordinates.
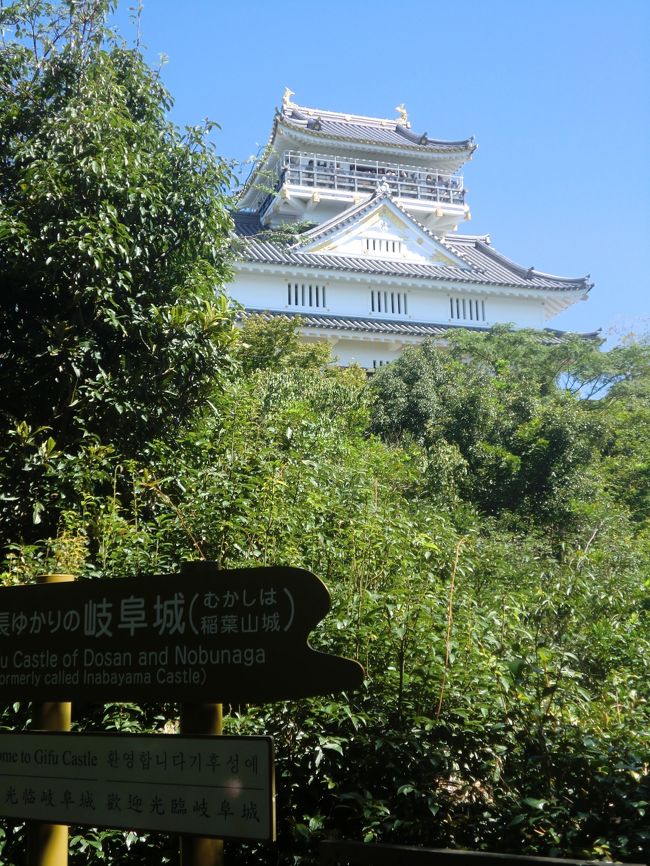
(382, 232)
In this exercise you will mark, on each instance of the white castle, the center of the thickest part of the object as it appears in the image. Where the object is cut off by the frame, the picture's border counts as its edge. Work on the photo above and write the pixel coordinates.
(381, 264)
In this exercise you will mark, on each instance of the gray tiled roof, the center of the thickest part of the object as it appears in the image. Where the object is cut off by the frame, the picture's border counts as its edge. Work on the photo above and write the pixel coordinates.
(247, 224)
(355, 323)
(379, 326)
(330, 124)
(497, 268)
(485, 266)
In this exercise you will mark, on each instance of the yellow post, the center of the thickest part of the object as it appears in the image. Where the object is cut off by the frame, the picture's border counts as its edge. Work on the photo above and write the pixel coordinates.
(201, 719)
(47, 844)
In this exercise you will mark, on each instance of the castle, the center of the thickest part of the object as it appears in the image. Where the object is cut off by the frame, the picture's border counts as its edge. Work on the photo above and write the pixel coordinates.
(351, 224)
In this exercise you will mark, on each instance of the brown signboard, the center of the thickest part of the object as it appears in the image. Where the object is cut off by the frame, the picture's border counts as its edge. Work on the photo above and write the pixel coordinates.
(205, 786)
(200, 636)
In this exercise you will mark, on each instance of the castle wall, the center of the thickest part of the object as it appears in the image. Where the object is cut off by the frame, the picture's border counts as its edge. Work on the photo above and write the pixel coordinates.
(419, 304)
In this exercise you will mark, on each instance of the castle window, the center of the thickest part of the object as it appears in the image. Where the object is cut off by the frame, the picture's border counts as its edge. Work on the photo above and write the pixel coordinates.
(382, 245)
(388, 303)
(305, 295)
(467, 309)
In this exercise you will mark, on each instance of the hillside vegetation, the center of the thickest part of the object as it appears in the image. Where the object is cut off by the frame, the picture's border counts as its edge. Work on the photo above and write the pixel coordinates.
(483, 530)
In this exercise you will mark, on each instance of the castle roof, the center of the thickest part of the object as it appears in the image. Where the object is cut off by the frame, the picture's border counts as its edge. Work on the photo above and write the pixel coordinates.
(357, 128)
(359, 324)
(482, 264)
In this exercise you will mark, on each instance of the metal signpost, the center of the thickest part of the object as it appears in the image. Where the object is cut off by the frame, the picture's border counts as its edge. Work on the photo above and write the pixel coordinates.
(47, 844)
(200, 637)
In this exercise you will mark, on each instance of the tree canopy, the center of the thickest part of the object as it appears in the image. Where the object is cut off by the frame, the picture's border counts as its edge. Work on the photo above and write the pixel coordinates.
(508, 419)
(113, 244)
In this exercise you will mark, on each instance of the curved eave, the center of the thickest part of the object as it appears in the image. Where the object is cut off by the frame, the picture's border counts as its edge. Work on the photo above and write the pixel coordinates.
(467, 282)
(458, 150)
(531, 273)
(432, 144)
(356, 327)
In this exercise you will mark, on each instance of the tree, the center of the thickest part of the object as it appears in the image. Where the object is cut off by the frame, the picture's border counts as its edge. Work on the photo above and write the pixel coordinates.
(491, 413)
(276, 343)
(570, 363)
(627, 453)
(113, 242)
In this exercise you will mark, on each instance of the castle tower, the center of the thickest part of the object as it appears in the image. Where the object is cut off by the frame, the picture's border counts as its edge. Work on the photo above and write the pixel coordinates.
(319, 164)
(351, 223)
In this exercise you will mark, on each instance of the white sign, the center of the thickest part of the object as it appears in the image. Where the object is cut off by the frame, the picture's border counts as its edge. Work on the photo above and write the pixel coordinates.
(202, 786)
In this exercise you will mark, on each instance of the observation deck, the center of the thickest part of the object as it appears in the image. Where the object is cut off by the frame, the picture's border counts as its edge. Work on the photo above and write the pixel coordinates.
(317, 186)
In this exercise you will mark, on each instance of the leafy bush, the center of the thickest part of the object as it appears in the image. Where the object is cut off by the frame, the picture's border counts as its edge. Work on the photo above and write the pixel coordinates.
(505, 705)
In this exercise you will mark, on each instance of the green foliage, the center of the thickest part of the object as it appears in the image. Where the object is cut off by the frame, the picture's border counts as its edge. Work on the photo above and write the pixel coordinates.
(490, 410)
(505, 705)
(481, 526)
(571, 362)
(114, 230)
(627, 452)
(273, 343)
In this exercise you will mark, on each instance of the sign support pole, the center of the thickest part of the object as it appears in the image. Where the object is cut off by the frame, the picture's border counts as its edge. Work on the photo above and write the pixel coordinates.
(47, 844)
(201, 719)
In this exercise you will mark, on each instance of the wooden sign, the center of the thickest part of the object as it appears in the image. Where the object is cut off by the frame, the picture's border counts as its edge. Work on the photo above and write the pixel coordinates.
(202, 636)
(206, 786)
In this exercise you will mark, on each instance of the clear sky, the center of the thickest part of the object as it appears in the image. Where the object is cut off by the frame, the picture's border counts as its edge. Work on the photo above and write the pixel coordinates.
(556, 93)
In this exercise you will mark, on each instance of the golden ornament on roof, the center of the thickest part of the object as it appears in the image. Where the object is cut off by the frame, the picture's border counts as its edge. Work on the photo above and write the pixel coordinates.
(286, 98)
(401, 110)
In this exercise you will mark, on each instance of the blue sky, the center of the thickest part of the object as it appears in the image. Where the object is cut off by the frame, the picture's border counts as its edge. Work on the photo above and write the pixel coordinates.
(556, 93)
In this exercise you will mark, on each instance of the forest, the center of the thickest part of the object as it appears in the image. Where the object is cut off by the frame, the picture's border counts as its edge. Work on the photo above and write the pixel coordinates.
(479, 509)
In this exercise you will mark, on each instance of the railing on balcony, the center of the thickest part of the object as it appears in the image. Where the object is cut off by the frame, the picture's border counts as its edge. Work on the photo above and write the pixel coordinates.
(364, 176)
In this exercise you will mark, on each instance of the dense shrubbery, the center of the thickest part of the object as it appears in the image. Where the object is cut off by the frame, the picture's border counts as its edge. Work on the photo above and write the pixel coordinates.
(506, 652)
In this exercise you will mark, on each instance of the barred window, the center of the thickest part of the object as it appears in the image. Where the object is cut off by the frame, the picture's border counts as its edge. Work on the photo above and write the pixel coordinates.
(467, 309)
(389, 303)
(382, 245)
(305, 295)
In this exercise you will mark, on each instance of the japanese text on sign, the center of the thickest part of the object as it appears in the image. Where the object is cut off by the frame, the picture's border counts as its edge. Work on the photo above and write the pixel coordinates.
(202, 613)
(208, 635)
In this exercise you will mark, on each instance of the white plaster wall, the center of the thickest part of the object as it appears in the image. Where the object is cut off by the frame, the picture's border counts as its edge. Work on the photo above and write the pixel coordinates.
(523, 312)
(324, 211)
(353, 299)
(364, 353)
